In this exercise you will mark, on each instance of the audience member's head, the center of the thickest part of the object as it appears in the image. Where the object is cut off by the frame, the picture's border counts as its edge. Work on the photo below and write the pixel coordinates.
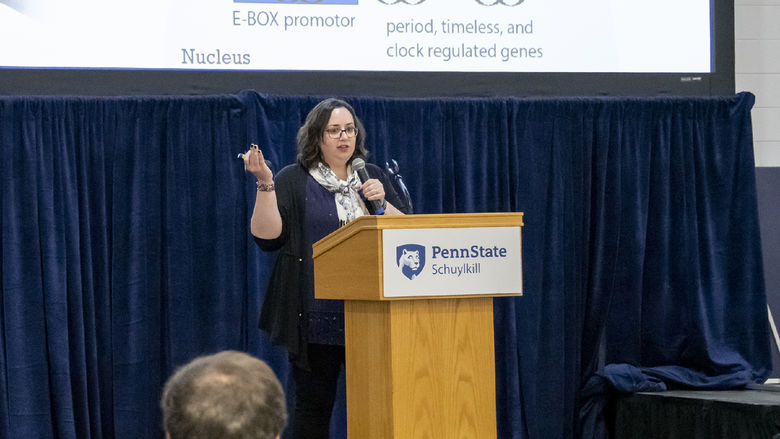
(229, 395)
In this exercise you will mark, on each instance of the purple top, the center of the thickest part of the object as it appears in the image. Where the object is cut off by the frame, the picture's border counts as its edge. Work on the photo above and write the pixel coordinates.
(326, 317)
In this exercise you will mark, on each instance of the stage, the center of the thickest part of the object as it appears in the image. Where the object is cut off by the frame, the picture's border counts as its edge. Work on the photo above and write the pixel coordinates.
(692, 414)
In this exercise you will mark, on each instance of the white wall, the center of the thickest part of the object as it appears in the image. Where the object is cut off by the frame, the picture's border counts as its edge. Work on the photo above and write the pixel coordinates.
(757, 70)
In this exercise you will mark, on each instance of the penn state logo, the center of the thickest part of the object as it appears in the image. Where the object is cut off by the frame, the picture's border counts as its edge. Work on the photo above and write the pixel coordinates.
(410, 259)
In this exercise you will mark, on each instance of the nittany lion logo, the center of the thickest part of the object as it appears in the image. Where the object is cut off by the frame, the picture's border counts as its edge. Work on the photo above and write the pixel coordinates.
(410, 259)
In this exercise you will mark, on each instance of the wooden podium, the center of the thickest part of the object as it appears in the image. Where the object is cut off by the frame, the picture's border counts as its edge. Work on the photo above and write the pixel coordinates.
(417, 366)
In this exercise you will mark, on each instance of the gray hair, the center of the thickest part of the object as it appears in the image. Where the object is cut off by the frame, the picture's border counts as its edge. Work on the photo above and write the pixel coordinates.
(228, 395)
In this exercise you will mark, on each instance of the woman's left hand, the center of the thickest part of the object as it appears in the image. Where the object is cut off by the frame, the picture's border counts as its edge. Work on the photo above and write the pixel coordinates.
(373, 190)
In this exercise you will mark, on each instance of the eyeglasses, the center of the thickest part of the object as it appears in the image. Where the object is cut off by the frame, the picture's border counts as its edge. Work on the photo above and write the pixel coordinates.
(335, 133)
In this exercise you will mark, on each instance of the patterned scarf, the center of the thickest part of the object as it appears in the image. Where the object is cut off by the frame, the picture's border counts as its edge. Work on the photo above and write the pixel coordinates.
(349, 205)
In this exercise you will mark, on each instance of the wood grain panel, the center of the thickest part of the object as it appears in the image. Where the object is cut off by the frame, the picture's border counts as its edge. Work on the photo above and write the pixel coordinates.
(354, 272)
(369, 379)
(443, 368)
(421, 369)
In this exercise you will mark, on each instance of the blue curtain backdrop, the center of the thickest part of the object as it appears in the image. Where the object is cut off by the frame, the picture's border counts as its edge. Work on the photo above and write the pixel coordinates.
(126, 250)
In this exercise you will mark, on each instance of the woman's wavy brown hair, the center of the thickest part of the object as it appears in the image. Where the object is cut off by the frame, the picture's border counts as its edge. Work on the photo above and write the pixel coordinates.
(310, 134)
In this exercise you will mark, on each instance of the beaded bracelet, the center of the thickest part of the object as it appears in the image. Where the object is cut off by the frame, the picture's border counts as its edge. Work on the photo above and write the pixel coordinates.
(265, 187)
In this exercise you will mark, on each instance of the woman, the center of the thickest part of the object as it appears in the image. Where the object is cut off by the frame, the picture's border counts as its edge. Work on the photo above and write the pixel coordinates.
(303, 203)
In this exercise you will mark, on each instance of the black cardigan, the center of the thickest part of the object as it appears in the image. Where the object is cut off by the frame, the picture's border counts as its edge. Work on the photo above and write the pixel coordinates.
(284, 315)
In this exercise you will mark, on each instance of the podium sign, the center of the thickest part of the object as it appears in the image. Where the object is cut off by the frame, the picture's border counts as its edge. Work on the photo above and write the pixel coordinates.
(451, 261)
(418, 319)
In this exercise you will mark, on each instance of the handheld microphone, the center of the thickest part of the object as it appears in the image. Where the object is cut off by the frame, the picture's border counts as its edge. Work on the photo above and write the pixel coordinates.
(374, 206)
